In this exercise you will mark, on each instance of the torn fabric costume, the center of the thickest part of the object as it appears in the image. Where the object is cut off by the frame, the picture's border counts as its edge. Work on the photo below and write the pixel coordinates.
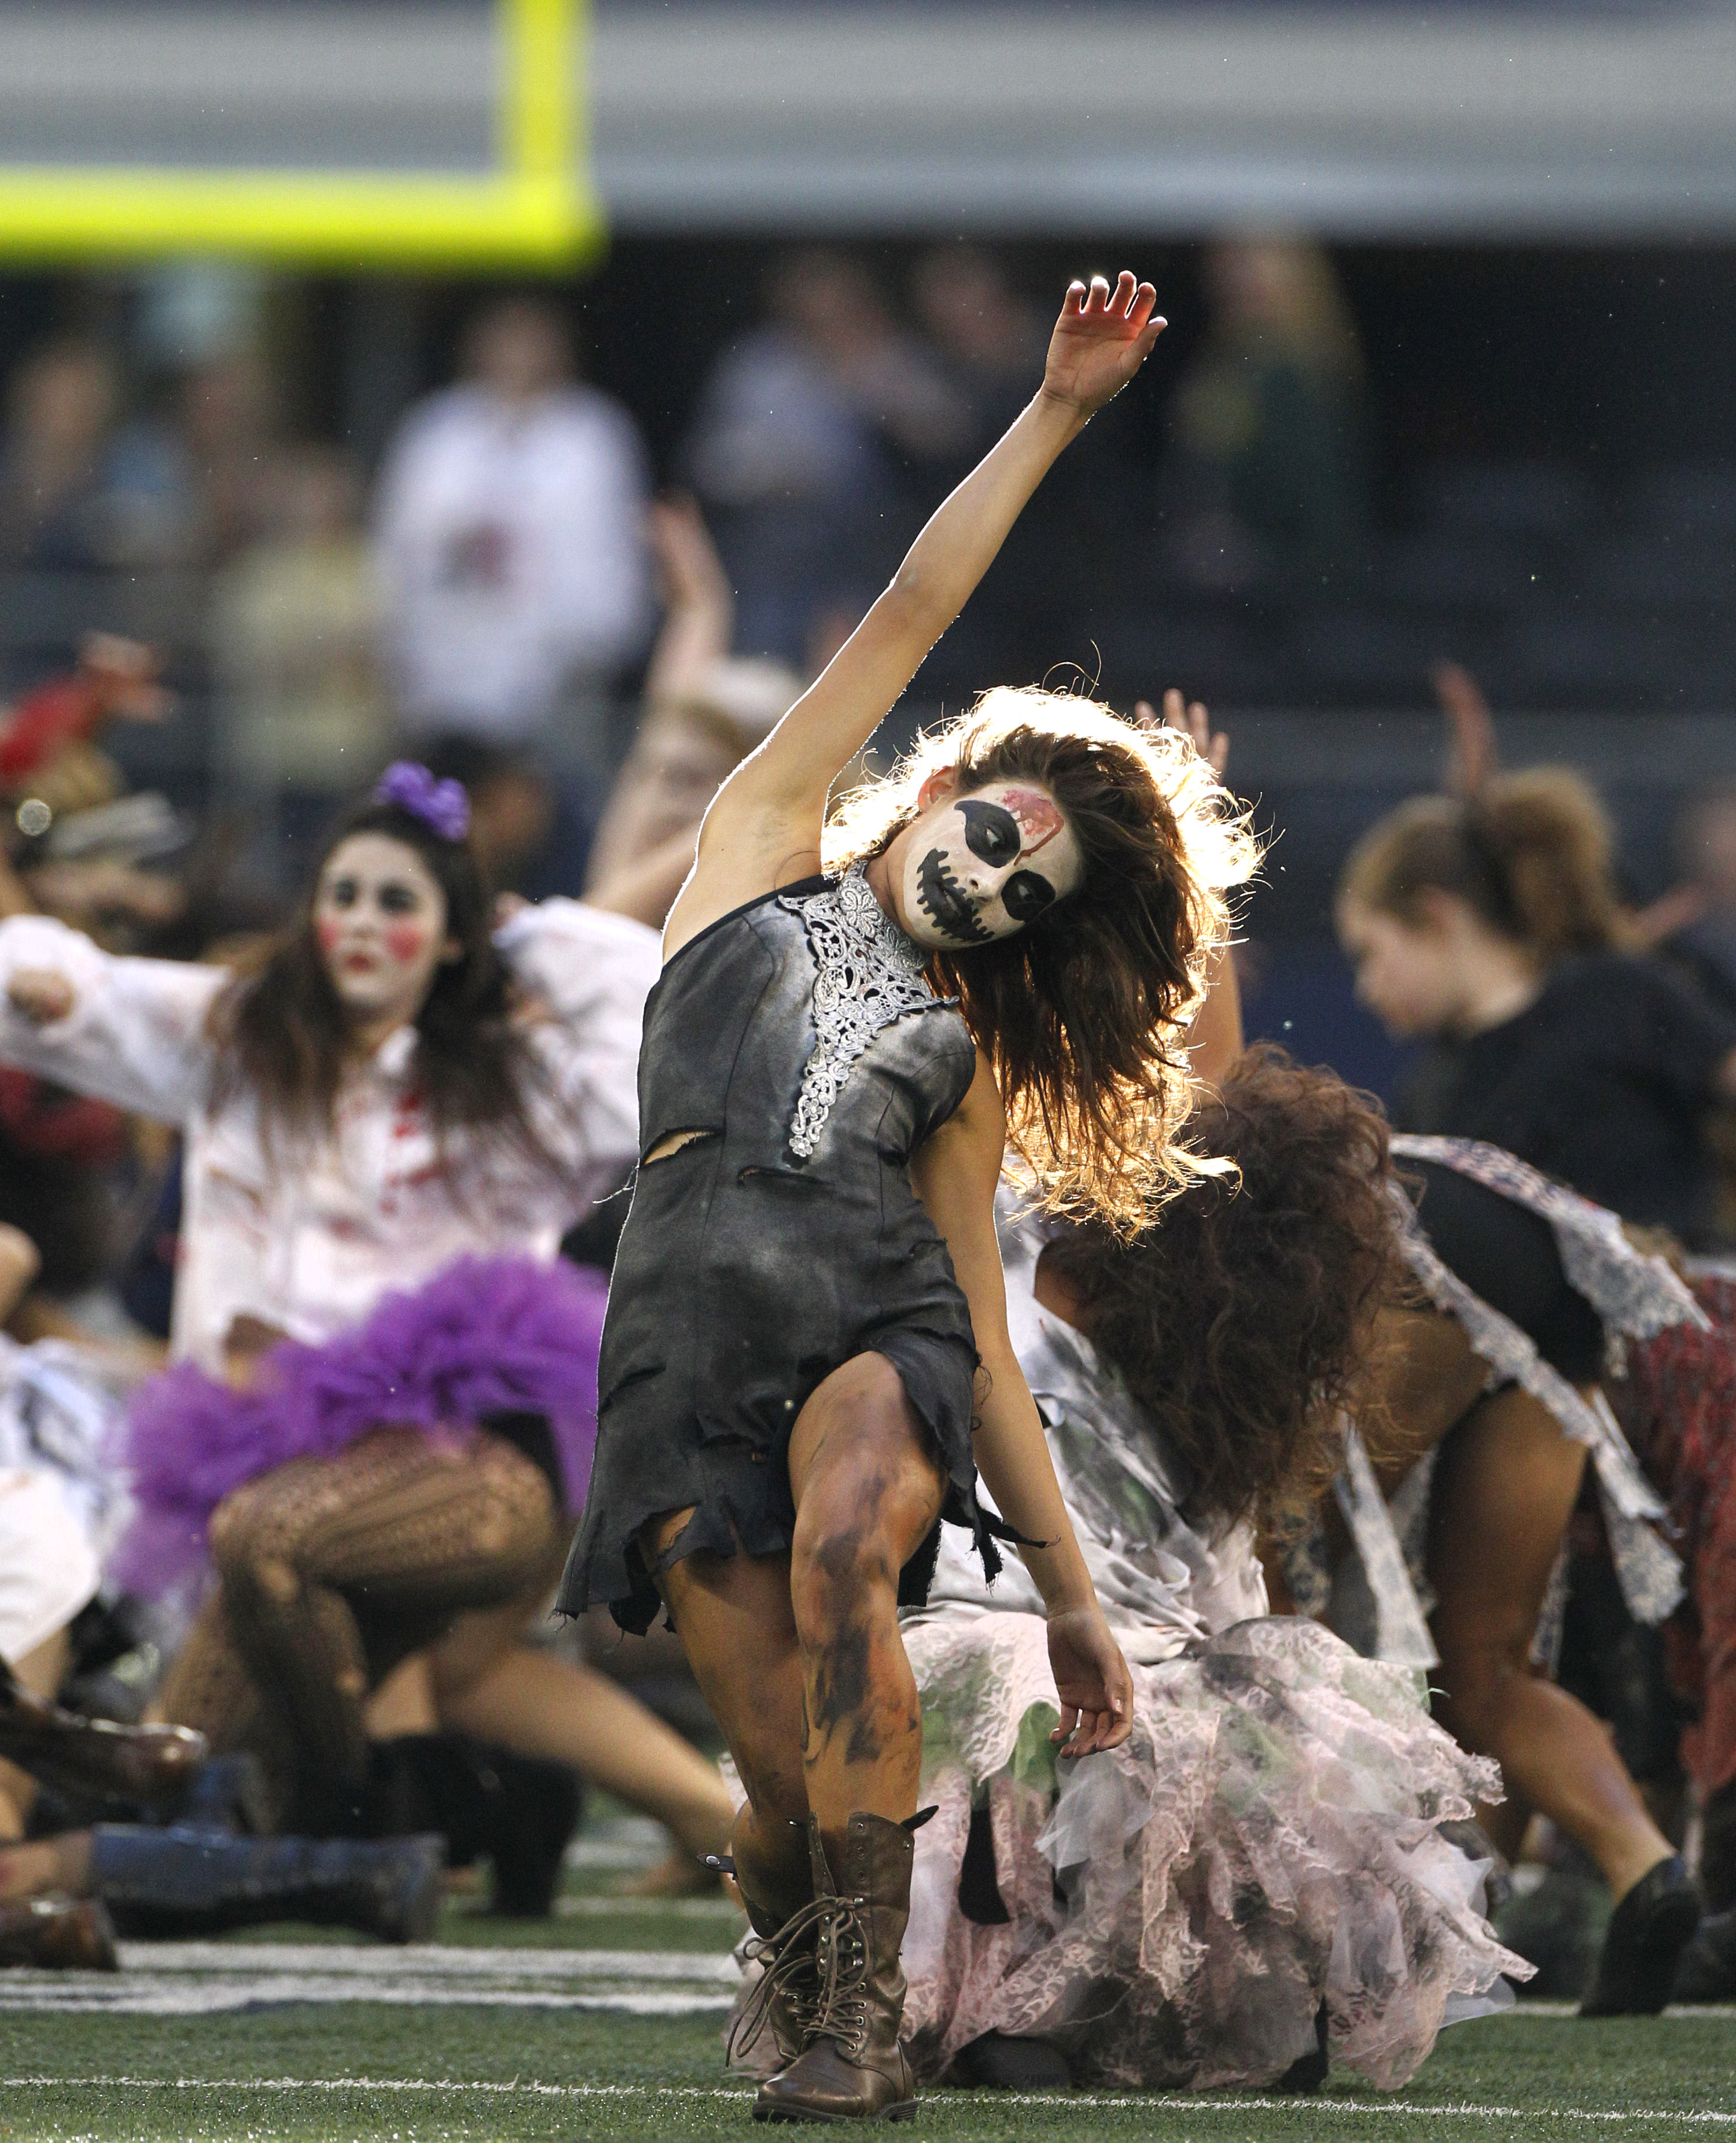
(1176, 1912)
(1617, 1292)
(798, 1038)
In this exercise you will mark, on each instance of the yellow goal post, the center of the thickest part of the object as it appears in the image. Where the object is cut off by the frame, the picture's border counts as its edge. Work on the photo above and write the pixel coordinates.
(536, 210)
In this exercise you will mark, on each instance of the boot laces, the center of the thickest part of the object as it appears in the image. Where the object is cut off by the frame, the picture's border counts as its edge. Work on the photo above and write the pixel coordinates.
(789, 1968)
(824, 1986)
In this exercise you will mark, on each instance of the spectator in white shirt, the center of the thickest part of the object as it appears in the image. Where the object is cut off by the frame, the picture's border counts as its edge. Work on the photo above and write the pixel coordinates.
(510, 543)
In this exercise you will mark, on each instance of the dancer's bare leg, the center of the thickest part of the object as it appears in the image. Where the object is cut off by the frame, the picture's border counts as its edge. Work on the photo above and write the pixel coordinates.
(1505, 1486)
(538, 1705)
(868, 1490)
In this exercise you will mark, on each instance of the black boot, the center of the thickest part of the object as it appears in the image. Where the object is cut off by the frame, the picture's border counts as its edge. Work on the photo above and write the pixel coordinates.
(516, 1812)
(181, 1882)
(1706, 1970)
(997, 2061)
(1308, 2071)
(1647, 1931)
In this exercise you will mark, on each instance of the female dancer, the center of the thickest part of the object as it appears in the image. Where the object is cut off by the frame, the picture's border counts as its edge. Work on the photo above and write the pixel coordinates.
(1261, 1871)
(1496, 1378)
(1488, 926)
(379, 1411)
(809, 1279)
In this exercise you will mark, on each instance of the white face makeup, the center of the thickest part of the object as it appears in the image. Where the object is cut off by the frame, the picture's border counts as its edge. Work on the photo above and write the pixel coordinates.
(379, 917)
(981, 866)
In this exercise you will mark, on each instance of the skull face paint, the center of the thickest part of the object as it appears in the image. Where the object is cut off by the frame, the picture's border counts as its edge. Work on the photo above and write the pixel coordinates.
(981, 866)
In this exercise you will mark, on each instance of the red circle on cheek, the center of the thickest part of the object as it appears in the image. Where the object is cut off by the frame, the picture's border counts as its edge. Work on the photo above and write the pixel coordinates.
(328, 933)
(406, 943)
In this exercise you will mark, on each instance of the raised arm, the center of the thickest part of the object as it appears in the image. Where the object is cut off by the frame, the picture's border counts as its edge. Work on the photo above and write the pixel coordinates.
(955, 1175)
(774, 804)
(128, 1031)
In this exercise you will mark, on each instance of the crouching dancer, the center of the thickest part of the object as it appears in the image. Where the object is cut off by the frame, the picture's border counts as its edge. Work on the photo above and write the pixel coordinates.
(1003, 938)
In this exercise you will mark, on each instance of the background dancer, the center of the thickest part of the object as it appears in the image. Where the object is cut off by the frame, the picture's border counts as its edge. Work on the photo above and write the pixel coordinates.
(809, 1279)
(383, 1408)
(1495, 1380)
(1266, 1869)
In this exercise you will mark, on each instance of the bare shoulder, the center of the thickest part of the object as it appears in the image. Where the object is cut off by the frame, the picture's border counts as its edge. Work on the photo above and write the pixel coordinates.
(744, 854)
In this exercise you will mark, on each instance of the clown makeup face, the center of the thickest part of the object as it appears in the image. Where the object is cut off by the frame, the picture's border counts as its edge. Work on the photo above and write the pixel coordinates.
(981, 866)
(379, 917)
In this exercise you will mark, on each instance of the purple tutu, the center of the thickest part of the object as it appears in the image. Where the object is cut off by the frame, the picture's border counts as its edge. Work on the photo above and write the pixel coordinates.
(487, 1335)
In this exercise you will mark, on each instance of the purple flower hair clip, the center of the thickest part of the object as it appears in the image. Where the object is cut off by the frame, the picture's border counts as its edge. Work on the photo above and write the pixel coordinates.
(442, 804)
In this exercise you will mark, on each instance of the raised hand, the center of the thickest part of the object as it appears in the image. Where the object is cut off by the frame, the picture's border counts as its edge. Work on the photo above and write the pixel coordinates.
(1101, 341)
(1194, 723)
(1470, 728)
(1092, 1681)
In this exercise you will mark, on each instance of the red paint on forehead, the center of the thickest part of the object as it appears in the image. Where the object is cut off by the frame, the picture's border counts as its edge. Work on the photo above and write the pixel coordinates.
(1038, 816)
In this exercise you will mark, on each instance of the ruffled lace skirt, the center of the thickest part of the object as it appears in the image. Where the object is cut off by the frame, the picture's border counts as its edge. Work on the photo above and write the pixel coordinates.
(1178, 1911)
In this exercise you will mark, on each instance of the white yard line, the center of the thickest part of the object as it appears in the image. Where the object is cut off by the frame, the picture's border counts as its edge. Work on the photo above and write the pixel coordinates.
(190, 1979)
(1374, 2109)
(215, 1998)
(375, 1960)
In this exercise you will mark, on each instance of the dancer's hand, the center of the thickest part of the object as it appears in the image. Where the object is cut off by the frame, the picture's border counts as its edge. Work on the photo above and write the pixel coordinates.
(40, 995)
(1091, 1679)
(1193, 722)
(1100, 341)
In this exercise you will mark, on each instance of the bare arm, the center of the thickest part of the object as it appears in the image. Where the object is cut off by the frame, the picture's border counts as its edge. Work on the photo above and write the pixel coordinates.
(768, 815)
(700, 608)
(955, 1175)
(1216, 1040)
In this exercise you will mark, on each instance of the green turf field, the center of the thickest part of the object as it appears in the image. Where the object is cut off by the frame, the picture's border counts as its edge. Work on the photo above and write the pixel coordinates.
(605, 2023)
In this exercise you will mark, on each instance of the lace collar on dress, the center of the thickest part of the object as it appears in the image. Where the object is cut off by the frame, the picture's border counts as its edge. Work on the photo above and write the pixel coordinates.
(868, 973)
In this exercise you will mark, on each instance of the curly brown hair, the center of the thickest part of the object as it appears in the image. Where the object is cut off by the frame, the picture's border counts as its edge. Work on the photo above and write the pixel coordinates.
(1242, 1317)
(1085, 1013)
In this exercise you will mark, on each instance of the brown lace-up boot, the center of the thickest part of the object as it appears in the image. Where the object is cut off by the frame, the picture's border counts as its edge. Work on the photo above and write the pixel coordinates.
(94, 1758)
(57, 1934)
(776, 1886)
(852, 2067)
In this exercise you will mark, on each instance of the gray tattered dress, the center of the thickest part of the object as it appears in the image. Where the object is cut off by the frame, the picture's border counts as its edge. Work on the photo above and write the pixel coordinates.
(798, 1038)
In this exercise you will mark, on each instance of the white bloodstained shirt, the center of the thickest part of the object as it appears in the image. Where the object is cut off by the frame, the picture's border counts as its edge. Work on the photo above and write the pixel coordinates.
(307, 1235)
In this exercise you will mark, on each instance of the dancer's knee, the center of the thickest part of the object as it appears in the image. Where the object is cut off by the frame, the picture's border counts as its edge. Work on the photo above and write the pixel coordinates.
(839, 1561)
(1478, 1683)
(867, 1495)
(251, 1553)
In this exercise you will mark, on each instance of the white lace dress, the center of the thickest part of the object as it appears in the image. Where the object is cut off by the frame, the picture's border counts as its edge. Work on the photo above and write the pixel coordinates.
(1267, 1841)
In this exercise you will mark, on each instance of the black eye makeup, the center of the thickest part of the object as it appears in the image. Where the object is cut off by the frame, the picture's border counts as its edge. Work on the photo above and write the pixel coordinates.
(991, 832)
(342, 892)
(399, 899)
(1026, 894)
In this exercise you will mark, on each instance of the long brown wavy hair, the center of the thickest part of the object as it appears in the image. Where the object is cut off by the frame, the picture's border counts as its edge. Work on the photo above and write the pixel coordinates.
(283, 1036)
(1083, 1013)
(1242, 1317)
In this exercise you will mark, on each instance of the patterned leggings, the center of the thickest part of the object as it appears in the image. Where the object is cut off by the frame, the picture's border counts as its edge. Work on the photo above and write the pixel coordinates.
(331, 1571)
